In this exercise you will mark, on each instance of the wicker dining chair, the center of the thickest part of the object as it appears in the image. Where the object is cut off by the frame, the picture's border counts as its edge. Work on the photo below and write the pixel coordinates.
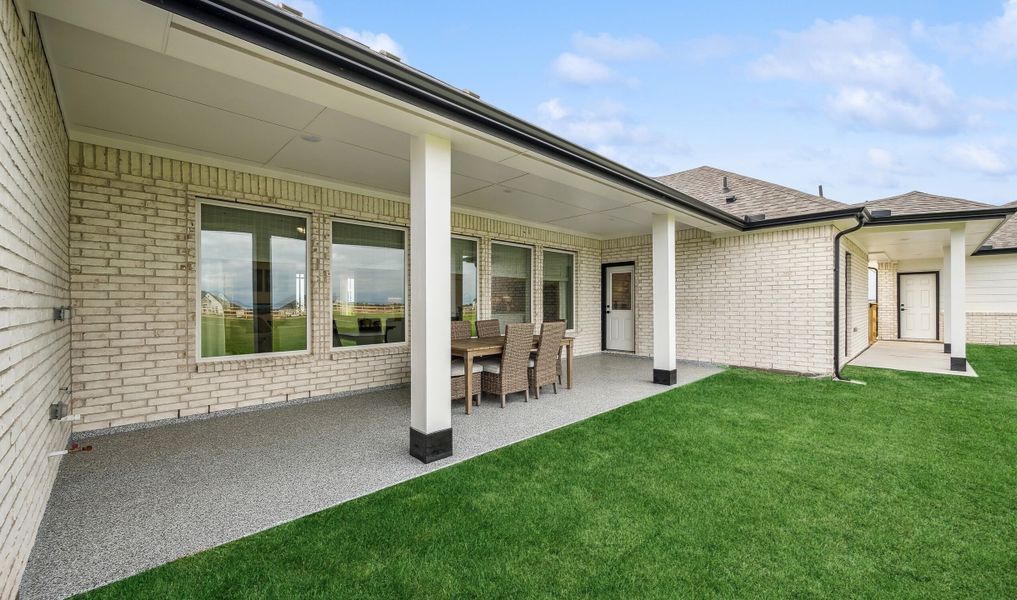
(541, 369)
(460, 330)
(508, 375)
(489, 328)
(459, 380)
(557, 365)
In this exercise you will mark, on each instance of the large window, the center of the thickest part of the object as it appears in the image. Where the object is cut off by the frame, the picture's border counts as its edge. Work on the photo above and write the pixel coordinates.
(559, 287)
(511, 272)
(464, 280)
(368, 284)
(252, 274)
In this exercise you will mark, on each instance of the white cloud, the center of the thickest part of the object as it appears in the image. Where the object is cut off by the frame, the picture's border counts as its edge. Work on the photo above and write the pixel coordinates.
(376, 41)
(883, 160)
(711, 47)
(583, 70)
(877, 81)
(981, 159)
(999, 36)
(608, 47)
(606, 128)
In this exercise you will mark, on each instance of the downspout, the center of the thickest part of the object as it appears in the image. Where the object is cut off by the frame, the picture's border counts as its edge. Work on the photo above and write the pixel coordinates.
(862, 218)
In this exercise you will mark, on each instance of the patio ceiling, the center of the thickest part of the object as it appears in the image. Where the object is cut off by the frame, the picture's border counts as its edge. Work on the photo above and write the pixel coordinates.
(131, 75)
(917, 241)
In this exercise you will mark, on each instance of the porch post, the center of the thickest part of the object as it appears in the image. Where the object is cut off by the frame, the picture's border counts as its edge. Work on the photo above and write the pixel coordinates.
(947, 292)
(958, 301)
(430, 297)
(664, 320)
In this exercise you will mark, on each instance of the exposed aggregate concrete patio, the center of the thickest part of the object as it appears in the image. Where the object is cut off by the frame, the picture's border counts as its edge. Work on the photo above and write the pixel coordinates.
(146, 497)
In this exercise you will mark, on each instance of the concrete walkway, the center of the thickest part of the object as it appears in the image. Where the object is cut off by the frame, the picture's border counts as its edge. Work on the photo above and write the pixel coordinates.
(922, 357)
(146, 497)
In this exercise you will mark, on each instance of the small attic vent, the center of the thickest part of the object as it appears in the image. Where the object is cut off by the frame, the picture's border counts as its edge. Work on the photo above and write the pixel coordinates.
(290, 9)
(882, 213)
(985, 248)
(755, 218)
(730, 199)
(389, 55)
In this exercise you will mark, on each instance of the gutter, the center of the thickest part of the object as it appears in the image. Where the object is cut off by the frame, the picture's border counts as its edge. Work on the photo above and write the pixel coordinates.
(862, 217)
(271, 27)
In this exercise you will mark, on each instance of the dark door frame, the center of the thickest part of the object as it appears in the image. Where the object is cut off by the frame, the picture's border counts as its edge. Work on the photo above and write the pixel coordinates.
(603, 297)
(897, 307)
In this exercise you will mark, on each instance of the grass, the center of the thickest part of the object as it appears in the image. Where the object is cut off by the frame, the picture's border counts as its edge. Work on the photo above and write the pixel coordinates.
(746, 484)
(228, 336)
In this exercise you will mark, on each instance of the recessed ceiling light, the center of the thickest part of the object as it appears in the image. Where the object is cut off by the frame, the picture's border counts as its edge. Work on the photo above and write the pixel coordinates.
(310, 137)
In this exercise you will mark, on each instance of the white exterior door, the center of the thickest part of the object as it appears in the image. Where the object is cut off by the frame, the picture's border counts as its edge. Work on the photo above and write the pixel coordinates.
(919, 306)
(619, 310)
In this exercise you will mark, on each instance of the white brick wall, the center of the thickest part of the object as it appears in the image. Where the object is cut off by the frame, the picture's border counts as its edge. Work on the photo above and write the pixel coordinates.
(854, 315)
(133, 287)
(998, 329)
(759, 300)
(34, 349)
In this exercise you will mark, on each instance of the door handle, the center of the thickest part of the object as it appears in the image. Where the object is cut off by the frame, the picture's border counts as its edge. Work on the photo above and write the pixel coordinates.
(902, 309)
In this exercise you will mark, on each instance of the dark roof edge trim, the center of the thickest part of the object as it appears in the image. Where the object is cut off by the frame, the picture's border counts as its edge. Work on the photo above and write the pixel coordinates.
(1010, 250)
(833, 215)
(267, 26)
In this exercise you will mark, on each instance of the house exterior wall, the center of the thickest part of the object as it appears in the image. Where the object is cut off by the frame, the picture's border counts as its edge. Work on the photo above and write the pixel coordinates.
(760, 300)
(133, 265)
(636, 249)
(991, 297)
(34, 348)
(854, 311)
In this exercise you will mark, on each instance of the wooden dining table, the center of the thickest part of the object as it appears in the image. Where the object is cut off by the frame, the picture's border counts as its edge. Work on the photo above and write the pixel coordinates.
(478, 347)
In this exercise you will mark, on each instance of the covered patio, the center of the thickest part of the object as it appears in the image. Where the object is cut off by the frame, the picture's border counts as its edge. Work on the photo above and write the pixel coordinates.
(921, 357)
(142, 498)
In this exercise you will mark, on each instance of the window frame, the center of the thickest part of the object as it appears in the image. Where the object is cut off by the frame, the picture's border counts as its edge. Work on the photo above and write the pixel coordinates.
(406, 283)
(308, 301)
(476, 243)
(490, 276)
(575, 285)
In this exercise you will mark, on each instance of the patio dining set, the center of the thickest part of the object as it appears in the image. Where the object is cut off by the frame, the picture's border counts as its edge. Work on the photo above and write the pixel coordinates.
(517, 362)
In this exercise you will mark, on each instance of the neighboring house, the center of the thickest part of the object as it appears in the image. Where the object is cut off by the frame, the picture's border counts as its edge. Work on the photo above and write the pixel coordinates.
(148, 146)
(211, 305)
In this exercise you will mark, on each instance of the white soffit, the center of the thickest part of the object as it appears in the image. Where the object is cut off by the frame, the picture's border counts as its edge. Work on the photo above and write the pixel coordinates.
(908, 242)
(162, 81)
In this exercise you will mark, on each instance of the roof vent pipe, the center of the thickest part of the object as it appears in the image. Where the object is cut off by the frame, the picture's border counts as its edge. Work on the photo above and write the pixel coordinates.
(725, 188)
(821, 191)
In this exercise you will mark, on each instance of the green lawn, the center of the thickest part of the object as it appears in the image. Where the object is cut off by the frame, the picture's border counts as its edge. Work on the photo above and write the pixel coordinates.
(228, 336)
(746, 484)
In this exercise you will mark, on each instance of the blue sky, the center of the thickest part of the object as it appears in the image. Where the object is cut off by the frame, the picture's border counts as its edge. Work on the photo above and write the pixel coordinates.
(869, 99)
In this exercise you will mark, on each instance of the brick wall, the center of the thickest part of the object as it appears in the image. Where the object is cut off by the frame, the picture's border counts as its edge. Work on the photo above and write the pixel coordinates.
(887, 312)
(34, 349)
(133, 249)
(998, 329)
(854, 311)
(765, 303)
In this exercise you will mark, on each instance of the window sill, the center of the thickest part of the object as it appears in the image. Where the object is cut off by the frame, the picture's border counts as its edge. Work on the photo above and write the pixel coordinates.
(248, 361)
(341, 353)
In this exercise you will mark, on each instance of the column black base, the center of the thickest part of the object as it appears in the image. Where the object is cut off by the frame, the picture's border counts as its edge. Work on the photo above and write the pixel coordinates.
(946, 349)
(958, 364)
(665, 377)
(429, 447)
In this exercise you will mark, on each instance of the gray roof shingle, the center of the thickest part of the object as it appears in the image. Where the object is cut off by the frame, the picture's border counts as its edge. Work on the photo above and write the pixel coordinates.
(752, 196)
(755, 196)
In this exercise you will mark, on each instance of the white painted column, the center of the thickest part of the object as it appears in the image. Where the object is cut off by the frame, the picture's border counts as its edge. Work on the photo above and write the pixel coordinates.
(430, 297)
(947, 292)
(958, 301)
(665, 352)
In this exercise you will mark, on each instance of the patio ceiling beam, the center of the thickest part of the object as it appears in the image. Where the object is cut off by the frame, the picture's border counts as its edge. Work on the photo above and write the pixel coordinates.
(664, 320)
(430, 297)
